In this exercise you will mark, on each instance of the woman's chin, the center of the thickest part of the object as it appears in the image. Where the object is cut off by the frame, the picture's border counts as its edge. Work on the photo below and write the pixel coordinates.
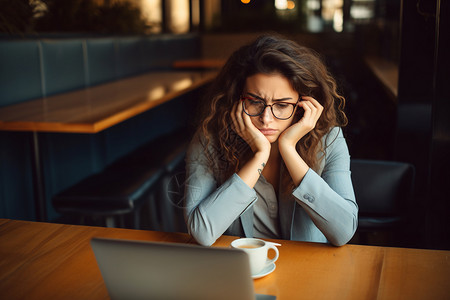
(272, 139)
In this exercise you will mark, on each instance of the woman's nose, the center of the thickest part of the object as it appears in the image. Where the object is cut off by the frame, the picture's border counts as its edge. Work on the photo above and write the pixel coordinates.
(266, 115)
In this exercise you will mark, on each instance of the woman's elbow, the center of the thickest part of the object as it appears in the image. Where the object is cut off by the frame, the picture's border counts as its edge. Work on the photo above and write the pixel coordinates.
(202, 239)
(339, 242)
(344, 236)
(201, 235)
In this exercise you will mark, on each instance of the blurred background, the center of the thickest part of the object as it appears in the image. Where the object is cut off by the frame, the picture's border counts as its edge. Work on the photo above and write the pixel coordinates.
(389, 57)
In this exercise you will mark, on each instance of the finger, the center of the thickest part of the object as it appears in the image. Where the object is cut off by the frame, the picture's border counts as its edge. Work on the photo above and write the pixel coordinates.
(247, 120)
(236, 126)
(314, 102)
(250, 126)
(309, 98)
(315, 106)
(316, 111)
(239, 116)
(311, 115)
(232, 113)
(318, 108)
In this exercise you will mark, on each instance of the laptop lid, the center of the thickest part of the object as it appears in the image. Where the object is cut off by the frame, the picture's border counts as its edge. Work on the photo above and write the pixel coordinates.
(153, 270)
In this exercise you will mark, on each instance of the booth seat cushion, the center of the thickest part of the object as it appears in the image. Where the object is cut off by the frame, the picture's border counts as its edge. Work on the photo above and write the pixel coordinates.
(107, 193)
(123, 186)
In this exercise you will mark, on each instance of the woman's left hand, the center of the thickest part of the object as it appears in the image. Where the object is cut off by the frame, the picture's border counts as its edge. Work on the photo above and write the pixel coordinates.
(313, 109)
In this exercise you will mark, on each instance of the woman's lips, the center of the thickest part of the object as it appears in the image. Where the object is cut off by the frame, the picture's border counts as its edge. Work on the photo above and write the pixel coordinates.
(267, 131)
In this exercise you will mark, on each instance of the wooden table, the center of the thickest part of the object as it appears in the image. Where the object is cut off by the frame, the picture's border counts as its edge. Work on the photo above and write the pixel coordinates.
(54, 261)
(92, 110)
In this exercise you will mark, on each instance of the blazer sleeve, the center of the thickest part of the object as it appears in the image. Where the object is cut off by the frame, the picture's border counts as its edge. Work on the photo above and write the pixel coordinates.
(210, 209)
(329, 199)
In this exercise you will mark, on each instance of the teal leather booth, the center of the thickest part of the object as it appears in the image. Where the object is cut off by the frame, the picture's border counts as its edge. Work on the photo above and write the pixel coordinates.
(36, 68)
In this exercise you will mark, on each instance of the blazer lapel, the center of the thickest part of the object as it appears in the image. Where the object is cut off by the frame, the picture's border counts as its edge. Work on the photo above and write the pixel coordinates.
(247, 222)
(286, 205)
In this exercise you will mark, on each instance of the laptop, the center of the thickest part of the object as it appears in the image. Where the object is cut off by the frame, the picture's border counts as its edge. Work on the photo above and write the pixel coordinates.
(154, 270)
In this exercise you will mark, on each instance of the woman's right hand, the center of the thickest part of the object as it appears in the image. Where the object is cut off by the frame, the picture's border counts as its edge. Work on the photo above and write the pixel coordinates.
(243, 126)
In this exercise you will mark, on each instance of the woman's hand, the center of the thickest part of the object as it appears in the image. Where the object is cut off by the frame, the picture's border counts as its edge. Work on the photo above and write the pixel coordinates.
(243, 126)
(313, 109)
(296, 166)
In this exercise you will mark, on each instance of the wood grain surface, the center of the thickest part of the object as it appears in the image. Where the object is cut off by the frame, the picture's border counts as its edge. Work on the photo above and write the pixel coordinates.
(54, 261)
(96, 108)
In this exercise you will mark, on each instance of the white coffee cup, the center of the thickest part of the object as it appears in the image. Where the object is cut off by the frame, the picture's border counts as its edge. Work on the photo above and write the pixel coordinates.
(257, 251)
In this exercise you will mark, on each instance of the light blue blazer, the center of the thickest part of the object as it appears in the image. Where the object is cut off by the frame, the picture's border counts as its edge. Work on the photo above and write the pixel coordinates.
(322, 208)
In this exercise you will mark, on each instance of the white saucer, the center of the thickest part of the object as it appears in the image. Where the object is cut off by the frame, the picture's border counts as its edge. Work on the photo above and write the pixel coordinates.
(266, 271)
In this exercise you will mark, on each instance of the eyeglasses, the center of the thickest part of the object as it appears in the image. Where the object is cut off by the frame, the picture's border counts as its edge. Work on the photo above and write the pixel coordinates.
(255, 107)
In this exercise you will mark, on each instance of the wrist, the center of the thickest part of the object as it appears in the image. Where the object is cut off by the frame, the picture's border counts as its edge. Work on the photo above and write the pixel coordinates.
(260, 145)
(262, 155)
(288, 140)
(285, 146)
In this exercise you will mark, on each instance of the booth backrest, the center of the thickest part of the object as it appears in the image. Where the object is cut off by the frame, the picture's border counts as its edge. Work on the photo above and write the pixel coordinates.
(20, 71)
(36, 68)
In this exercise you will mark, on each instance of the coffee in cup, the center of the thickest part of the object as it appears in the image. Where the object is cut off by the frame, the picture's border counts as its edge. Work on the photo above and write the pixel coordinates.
(257, 251)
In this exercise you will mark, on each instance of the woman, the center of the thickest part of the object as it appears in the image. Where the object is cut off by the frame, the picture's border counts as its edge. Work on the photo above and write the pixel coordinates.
(269, 160)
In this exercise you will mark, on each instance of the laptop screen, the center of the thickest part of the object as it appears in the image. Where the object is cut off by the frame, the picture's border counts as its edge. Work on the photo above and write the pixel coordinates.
(154, 270)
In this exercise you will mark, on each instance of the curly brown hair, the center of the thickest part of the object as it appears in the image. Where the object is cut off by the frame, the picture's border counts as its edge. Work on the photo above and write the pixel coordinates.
(268, 54)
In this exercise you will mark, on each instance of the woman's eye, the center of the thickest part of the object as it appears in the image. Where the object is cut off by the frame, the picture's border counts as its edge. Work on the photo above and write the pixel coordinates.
(255, 102)
(282, 105)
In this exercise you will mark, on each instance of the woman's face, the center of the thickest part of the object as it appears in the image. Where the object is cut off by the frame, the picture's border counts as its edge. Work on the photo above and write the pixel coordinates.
(270, 88)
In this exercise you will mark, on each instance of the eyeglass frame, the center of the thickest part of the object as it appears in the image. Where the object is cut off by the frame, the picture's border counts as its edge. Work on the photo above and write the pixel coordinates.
(243, 98)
